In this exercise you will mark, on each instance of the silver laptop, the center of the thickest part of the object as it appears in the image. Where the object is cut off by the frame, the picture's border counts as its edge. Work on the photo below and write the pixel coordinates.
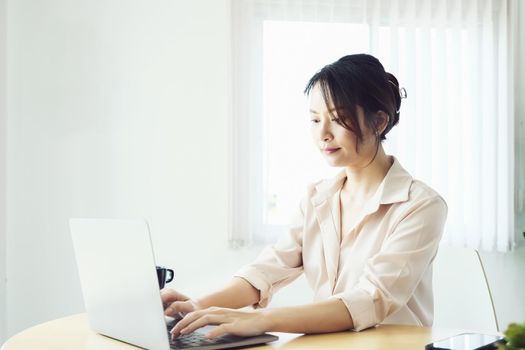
(121, 293)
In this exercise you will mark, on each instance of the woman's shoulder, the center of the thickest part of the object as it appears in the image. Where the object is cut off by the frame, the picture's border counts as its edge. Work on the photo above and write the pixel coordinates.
(420, 192)
(417, 191)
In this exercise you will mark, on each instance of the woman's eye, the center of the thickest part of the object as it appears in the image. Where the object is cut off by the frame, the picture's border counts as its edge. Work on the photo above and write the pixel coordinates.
(315, 121)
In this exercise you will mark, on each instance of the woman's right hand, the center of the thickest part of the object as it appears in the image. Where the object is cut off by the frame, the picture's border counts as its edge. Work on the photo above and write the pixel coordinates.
(176, 303)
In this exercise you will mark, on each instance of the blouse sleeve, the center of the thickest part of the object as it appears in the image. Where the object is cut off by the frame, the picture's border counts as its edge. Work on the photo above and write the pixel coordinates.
(277, 265)
(391, 276)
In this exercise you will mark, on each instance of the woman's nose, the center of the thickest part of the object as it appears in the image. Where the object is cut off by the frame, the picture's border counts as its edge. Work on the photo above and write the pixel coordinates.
(326, 135)
(324, 141)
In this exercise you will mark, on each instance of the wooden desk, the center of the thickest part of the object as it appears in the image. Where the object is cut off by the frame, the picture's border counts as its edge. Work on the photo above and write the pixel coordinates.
(73, 332)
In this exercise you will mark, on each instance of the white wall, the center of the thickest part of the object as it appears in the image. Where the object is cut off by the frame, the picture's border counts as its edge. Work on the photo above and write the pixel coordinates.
(120, 109)
(105, 109)
(3, 69)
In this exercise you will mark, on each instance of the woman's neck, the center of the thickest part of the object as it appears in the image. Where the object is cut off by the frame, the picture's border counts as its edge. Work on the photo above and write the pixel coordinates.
(363, 182)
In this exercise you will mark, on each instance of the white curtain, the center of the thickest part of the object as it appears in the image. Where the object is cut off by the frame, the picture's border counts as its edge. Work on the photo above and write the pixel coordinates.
(456, 133)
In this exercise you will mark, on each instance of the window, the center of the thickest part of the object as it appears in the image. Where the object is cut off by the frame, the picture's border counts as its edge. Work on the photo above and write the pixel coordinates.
(289, 151)
(456, 128)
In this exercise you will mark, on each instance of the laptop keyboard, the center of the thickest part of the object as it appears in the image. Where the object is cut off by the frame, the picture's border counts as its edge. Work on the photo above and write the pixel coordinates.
(196, 339)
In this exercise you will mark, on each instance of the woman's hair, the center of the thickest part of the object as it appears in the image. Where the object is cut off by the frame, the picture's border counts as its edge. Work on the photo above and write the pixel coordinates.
(359, 80)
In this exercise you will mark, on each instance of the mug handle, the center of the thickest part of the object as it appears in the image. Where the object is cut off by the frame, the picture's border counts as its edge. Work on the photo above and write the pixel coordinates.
(169, 275)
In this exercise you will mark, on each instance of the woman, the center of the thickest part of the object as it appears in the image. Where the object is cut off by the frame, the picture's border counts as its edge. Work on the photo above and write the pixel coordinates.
(364, 239)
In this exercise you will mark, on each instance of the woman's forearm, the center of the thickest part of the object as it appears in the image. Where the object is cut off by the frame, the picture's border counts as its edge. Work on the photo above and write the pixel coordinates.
(237, 294)
(322, 317)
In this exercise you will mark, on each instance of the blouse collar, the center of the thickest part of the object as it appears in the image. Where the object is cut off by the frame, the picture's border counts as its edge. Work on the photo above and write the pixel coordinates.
(394, 188)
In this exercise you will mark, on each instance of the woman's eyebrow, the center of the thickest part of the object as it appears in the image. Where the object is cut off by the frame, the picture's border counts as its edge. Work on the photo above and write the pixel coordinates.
(333, 109)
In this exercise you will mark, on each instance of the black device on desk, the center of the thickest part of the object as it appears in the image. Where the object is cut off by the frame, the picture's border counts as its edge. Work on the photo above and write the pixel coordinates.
(467, 341)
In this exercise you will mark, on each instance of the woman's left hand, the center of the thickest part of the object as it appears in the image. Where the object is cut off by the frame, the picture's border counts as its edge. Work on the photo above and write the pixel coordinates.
(228, 321)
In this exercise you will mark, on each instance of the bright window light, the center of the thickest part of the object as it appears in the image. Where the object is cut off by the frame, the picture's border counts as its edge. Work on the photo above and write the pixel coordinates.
(292, 53)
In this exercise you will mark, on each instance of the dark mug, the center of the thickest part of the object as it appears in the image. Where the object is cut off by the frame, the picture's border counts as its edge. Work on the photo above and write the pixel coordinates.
(164, 276)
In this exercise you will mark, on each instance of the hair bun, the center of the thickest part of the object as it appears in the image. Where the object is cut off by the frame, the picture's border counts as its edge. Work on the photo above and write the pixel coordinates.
(397, 93)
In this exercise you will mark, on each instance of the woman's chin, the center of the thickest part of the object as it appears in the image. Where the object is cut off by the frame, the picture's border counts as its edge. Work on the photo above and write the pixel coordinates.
(334, 163)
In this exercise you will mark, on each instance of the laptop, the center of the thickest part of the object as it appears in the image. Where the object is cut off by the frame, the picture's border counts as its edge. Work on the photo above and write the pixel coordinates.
(116, 266)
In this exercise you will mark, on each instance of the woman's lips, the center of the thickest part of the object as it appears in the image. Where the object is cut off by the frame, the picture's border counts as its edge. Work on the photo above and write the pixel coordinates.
(330, 150)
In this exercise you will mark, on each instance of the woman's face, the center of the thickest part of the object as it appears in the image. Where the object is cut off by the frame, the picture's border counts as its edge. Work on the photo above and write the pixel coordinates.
(336, 143)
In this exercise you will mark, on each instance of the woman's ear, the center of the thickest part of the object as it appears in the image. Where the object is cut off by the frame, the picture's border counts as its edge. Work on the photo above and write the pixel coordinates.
(381, 122)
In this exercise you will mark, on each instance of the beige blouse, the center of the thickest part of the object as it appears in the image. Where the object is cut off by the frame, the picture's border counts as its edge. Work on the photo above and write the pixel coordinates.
(381, 270)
